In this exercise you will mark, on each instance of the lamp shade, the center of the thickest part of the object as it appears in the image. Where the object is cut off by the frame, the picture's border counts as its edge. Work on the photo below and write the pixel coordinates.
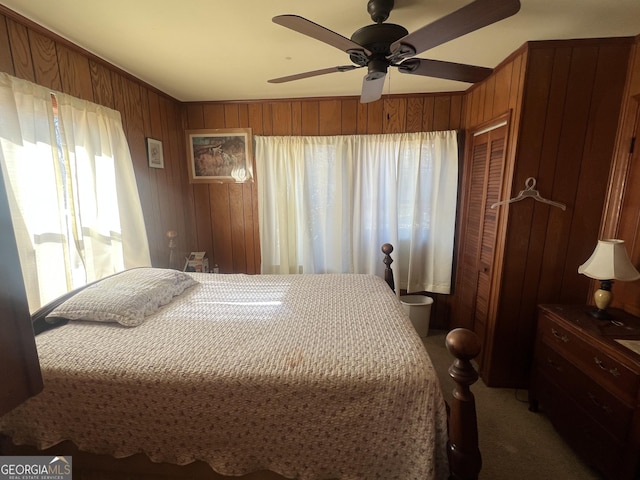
(609, 261)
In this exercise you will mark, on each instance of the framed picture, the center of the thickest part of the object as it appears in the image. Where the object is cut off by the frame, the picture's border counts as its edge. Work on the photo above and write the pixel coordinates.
(154, 153)
(220, 155)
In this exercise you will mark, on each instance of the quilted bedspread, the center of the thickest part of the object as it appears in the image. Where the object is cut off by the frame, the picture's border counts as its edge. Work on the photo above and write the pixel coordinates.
(310, 376)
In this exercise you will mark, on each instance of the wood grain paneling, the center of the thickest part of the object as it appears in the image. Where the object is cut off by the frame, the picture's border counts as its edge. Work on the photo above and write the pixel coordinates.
(621, 217)
(330, 117)
(221, 201)
(102, 87)
(627, 294)
(75, 73)
(45, 61)
(20, 50)
(395, 115)
(558, 228)
(6, 62)
(282, 118)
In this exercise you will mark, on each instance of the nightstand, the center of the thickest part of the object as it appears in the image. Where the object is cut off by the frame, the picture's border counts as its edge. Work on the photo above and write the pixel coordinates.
(588, 384)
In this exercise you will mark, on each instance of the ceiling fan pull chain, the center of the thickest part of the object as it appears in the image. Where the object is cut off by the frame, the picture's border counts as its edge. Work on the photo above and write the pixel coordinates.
(389, 84)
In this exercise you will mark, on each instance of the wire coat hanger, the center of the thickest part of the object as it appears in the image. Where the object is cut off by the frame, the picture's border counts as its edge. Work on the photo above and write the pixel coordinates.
(530, 192)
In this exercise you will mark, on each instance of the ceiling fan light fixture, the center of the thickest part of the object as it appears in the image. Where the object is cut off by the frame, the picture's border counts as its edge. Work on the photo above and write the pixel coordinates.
(377, 69)
(374, 76)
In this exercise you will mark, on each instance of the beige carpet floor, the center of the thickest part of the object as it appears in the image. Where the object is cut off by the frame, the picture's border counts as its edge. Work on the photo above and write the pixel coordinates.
(514, 442)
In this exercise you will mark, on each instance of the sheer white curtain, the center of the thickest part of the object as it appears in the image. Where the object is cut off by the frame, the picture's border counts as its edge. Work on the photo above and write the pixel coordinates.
(74, 202)
(328, 203)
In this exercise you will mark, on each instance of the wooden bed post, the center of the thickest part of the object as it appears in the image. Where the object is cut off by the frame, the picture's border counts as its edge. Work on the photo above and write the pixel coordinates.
(465, 460)
(387, 248)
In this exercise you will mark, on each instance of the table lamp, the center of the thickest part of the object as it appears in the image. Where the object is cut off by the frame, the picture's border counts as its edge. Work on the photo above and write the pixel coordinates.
(171, 235)
(608, 262)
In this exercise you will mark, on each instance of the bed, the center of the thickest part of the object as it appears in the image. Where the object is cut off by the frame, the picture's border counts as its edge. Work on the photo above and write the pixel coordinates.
(303, 376)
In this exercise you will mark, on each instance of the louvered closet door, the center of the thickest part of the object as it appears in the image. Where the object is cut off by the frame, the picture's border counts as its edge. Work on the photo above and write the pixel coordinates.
(479, 230)
(467, 279)
(493, 187)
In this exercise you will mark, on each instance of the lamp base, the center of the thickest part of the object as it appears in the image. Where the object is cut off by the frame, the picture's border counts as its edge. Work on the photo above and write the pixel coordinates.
(602, 298)
(600, 314)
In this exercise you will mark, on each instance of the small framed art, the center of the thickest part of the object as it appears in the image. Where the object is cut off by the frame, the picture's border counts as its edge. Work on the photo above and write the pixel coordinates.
(220, 155)
(154, 153)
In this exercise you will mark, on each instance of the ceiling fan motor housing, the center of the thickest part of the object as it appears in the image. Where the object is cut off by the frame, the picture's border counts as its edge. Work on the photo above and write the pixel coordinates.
(377, 38)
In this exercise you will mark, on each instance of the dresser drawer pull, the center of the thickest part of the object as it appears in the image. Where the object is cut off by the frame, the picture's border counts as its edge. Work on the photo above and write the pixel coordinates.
(612, 371)
(562, 338)
(604, 408)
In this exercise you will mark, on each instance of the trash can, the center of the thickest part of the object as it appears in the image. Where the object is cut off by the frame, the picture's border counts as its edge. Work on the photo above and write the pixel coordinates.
(418, 307)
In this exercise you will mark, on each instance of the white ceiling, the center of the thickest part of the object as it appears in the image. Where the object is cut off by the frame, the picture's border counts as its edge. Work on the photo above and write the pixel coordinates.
(201, 50)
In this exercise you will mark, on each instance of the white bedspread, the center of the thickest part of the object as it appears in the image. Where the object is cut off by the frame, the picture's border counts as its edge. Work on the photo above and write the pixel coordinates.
(310, 376)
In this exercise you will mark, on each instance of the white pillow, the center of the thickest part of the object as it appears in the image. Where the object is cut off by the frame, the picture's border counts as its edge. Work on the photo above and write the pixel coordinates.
(125, 298)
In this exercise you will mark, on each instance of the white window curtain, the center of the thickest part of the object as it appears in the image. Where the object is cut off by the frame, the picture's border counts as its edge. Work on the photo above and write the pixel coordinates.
(328, 203)
(74, 202)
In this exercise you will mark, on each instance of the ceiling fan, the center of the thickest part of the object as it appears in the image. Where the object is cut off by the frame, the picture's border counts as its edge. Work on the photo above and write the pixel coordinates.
(383, 45)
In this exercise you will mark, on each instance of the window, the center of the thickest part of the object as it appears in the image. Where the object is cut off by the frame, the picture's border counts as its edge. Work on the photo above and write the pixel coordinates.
(74, 202)
(327, 204)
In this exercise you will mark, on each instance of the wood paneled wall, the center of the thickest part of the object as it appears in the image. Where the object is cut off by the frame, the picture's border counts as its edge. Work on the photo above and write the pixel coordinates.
(32, 53)
(571, 102)
(621, 217)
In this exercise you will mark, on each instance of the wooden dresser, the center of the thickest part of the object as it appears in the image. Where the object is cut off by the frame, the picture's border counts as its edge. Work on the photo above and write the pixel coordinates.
(588, 384)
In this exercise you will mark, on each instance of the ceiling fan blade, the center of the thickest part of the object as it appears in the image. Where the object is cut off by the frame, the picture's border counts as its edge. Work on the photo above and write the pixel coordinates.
(314, 73)
(446, 70)
(372, 89)
(313, 30)
(467, 19)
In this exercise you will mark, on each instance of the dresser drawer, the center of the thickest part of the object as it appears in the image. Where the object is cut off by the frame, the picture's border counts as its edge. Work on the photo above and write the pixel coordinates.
(596, 446)
(590, 359)
(608, 410)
